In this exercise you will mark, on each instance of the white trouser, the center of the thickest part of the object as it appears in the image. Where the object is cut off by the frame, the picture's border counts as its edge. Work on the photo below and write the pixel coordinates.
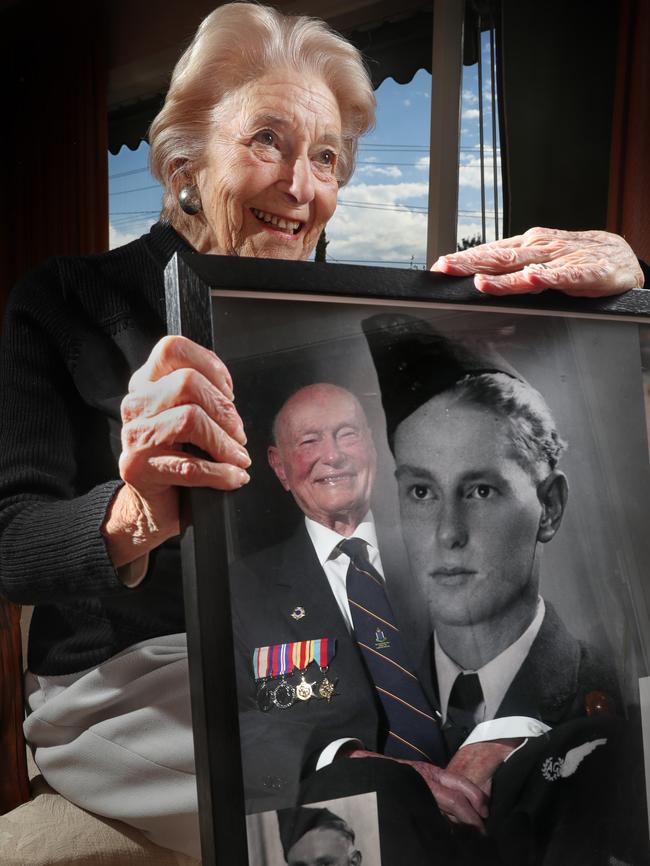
(117, 740)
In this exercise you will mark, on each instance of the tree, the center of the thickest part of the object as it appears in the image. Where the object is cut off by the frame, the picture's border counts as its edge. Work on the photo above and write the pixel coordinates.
(321, 247)
(466, 243)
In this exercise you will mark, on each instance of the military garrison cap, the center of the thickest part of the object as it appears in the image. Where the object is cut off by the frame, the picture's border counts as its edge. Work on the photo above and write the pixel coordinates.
(294, 823)
(414, 363)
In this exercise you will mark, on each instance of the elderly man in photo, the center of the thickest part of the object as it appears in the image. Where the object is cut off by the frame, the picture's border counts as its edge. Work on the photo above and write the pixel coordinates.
(322, 665)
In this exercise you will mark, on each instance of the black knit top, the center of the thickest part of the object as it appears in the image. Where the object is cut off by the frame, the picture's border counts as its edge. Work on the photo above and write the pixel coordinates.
(74, 332)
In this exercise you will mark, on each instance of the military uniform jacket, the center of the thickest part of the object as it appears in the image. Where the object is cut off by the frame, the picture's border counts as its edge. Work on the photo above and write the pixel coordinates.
(281, 746)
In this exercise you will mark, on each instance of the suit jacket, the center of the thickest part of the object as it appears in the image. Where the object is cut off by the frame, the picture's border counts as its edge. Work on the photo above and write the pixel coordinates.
(557, 675)
(553, 682)
(281, 746)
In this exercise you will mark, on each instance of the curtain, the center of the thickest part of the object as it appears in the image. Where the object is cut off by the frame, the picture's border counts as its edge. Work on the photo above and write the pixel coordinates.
(557, 65)
(629, 188)
(54, 143)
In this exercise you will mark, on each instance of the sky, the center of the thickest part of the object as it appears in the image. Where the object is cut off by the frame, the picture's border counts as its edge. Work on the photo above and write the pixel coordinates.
(382, 212)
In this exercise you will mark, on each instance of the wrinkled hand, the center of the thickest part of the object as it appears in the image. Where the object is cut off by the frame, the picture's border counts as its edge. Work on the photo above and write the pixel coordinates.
(478, 762)
(181, 395)
(460, 800)
(584, 264)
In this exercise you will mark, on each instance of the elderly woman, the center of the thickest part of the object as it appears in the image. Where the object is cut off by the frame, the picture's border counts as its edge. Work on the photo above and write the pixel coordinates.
(257, 134)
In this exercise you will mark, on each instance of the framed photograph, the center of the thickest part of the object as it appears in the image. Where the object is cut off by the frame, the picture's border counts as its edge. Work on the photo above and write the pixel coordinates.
(443, 547)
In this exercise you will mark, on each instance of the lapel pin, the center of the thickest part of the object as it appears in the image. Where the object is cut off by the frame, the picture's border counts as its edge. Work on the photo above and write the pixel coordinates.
(298, 613)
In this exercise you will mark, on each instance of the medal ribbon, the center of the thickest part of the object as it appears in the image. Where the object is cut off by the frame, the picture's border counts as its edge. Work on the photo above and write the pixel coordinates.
(302, 653)
(280, 659)
(324, 651)
(261, 662)
(272, 661)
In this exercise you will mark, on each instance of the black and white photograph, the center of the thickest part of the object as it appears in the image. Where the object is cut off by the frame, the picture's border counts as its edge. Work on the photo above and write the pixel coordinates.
(340, 832)
(444, 554)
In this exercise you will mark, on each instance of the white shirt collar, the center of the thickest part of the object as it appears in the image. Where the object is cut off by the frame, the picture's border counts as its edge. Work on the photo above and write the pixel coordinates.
(325, 540)
(495, 676)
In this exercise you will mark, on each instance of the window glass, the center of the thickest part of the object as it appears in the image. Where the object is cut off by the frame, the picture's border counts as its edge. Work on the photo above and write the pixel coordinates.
(134, 196)
(382, 213)
(480, 210)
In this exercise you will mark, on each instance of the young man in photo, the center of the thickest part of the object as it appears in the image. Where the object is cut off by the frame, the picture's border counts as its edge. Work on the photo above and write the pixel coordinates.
(317, 837)
(480, 492)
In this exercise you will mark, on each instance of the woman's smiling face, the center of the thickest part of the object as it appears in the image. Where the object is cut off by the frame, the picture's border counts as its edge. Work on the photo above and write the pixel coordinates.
(269, 184)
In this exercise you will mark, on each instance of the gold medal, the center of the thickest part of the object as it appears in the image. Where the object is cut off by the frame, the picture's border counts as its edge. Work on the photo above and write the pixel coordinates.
(304, 690)
(327, 689)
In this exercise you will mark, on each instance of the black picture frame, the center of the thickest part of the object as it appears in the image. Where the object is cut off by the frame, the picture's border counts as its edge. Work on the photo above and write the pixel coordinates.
(190, 280)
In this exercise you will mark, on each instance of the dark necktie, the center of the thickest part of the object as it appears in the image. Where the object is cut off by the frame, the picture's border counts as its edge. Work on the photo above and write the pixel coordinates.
(464, 700)
(414, 732)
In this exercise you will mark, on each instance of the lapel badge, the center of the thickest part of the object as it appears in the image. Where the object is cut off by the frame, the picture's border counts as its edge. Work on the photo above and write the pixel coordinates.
(298, 613)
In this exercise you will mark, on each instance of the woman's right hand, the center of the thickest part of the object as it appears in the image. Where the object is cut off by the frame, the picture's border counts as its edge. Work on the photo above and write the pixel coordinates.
(181, 395)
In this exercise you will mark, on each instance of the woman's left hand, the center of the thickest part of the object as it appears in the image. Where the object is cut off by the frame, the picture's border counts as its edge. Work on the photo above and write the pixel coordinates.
(584, 264)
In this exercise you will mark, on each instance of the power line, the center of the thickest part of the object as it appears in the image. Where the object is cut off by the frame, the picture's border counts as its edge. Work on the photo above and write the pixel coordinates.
(138, 189)
(127, 173)
(400, 147)
(379, 206)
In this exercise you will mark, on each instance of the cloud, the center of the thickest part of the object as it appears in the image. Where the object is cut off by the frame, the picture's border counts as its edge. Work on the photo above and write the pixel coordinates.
(376, 236)
(406, 102)
(386, 171)
(368, 234)
(469, 171)
(384, 193)
(470, 96)
(487, 149)
(423, 163)
(471, 113)
(120, 235)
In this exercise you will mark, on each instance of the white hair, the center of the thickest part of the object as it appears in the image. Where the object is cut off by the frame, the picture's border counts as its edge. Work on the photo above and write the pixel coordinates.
(234, 45)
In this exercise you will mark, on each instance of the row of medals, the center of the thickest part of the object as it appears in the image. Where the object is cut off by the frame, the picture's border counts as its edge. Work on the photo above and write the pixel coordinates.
(285, 694)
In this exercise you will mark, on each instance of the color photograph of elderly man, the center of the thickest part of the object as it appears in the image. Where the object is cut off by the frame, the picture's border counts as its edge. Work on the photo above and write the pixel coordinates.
(323, 666)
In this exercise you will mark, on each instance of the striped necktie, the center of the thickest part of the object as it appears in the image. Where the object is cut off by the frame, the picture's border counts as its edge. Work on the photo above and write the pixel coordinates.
(413, 732)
